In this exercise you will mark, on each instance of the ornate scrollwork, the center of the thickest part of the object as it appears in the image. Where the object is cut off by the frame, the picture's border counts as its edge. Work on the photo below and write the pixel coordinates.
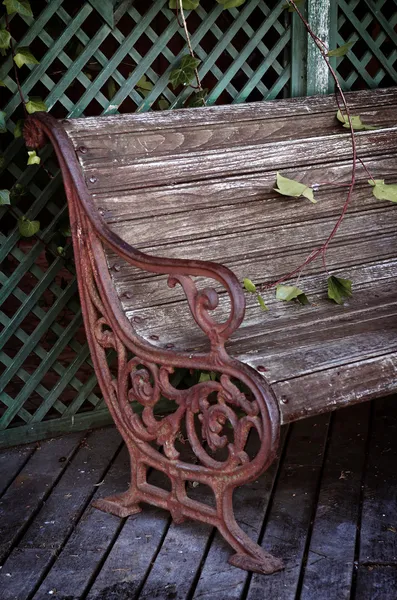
(216, 404)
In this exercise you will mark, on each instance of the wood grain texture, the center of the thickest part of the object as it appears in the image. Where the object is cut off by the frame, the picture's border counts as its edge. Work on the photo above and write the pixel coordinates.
(199, 184)
(307, 506)
(330, 560)
(52, 526)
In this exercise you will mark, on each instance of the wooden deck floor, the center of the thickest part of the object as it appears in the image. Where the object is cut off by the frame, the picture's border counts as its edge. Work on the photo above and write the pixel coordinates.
(328, 507)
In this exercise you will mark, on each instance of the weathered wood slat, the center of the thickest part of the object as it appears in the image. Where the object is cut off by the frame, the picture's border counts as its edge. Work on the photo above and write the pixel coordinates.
(378, 540)
(292, 507)
(376, 582)
(120, 124)
(228, 191)
(330, 562)
(51, 527)
(155, 320)
(11, 462)
(335, 388)
(90, 541)
(34, 482)
(136, 146)
(268, 214)
(125, 173)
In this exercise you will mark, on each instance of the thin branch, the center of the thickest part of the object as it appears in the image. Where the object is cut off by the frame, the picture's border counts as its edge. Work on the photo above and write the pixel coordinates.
(15, 66)
(189, 44)
(323, 249)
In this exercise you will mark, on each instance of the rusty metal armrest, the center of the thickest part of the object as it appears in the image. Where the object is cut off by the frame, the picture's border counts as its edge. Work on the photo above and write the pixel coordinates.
(144, 374)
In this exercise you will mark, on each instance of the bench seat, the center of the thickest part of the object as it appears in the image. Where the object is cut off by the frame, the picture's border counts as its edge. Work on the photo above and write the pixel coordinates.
(199, 185)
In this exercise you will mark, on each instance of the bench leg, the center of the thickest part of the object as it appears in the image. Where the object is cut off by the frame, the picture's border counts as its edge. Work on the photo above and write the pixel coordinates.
(249, 555)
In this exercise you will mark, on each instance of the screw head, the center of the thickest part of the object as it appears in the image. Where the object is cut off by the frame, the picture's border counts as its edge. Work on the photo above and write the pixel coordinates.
(261, 369)
(93, 179)
(83, 150)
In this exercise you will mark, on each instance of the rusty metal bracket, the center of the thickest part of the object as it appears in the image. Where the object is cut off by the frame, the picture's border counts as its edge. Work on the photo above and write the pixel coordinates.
(214, 415)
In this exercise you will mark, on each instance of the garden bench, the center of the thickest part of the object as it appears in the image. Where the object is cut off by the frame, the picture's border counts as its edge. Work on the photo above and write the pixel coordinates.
(169, 212)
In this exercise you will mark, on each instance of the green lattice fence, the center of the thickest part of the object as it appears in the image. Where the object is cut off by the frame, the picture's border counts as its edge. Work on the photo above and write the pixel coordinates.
(90, 65)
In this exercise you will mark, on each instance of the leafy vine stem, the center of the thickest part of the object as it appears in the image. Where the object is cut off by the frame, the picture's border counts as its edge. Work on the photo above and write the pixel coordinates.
(338, 289)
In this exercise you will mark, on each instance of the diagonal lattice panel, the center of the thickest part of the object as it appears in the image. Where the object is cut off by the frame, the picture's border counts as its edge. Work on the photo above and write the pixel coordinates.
(87, 68)
(92, 62)
(372, 26)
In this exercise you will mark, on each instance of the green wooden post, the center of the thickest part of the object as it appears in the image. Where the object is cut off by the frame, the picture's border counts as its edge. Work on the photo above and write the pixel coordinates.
(298, 55)
(319, 17)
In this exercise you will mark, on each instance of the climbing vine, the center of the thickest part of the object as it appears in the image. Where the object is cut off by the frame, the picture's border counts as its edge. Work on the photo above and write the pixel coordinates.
(339, 289)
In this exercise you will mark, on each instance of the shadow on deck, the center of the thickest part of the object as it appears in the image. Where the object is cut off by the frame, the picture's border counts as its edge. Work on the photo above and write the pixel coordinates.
(328, 507)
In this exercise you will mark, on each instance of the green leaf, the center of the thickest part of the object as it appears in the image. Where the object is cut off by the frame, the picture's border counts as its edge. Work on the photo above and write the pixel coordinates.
(290, 292)
(144, 86)
(186, 4)
(197, 99)
(5, 38)
(5, 197)
(21, 7)
(18, 129)
(204, 377)
(184, 74)
(33, 158)
(290, 187)
(112, 88)
(339, 289)
(28, 228)
(384, 191)
(61, 251)
(342, 50)
(17, 191)
(262, 302)
(163, 104)
(3, 126)
(35, 104)
(357, 124)
(230, 3)
(23, 56)
(2, 84)
(249, 286)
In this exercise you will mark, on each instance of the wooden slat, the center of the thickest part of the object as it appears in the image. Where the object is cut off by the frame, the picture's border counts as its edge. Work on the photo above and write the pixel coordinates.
(11, 462)
(52, 526)
(90, 541)
(135, 146)
(378, 539)
(198, 166)
(220, 192)
(330, 561)
(337, 387)
(292, 507)
(34, 482)
(89, 126)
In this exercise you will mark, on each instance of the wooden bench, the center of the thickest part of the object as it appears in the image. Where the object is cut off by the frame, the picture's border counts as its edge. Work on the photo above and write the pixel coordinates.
(153, 199)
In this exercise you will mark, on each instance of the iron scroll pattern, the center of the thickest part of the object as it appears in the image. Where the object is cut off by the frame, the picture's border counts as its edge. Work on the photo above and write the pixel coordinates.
(226, 415)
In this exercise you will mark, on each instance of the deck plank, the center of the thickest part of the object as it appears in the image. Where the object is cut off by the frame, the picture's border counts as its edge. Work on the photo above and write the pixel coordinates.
(378, 540)
(52, 525)
(330, 561)
(90, 541)
(12, 461)
(92, 555)
(33, 484)
(292, 509)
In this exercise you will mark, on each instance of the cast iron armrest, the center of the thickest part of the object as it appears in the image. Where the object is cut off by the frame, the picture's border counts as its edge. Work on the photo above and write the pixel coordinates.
(41, 126)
